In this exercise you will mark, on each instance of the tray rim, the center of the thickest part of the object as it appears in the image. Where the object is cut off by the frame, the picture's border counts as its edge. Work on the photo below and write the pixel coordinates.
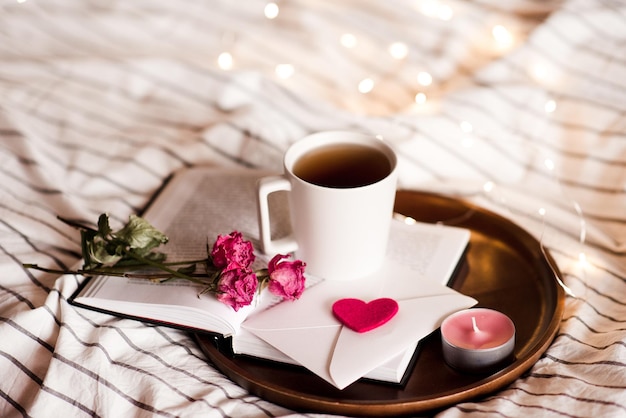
(297, 400)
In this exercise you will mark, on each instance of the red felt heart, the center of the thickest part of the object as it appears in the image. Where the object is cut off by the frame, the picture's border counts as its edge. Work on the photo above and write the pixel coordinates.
(362, 317)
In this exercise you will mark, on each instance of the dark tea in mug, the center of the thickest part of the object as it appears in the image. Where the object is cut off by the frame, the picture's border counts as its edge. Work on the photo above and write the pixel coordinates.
(343, 166)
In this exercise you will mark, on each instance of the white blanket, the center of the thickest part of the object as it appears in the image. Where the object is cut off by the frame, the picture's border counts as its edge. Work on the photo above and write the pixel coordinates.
(517, 105)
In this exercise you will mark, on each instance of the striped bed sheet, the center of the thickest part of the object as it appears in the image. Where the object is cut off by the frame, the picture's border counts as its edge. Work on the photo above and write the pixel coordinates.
(518, 106)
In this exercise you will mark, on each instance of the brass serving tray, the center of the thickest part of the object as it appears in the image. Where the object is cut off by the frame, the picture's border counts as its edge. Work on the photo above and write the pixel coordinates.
(504, 268)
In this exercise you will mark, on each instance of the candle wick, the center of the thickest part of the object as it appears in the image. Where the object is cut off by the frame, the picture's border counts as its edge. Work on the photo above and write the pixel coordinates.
(476, 329)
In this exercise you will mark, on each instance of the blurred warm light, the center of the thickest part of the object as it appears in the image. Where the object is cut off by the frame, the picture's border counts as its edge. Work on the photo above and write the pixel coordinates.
(366, 85)
(466, 126)
(435, 9)
(582, 260)
(225, 61)
(549, 164)
(488, 186)
(502, 36)
(550, 106)
(398, 50)
(271, 10)
(348, 40)
(424, 78)
(284, 71)
(420, 98)
(543, 72)
(445, 12)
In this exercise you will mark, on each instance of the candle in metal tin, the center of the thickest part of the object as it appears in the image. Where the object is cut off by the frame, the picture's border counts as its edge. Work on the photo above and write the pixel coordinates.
(477, 340)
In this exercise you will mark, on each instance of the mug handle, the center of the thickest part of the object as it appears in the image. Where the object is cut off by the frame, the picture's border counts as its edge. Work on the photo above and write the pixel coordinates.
(265, 187)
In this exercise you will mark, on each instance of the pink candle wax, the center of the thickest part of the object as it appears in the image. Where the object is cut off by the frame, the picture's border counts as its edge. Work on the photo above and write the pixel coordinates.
(477, 339)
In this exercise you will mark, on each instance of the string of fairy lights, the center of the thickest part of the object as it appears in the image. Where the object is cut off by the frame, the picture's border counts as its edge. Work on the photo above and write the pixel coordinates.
(502, 39)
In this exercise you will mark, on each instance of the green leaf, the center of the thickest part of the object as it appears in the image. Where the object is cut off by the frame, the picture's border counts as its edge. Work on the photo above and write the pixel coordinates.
(187, 270)
(155, 256)
(140, 236)
(83, 247)
(99, 252)
(107, 248)
(103, 225)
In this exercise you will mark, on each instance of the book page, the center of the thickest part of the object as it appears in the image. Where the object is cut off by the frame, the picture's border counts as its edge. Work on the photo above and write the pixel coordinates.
(201, 203)
(196, 206)
(431, 250)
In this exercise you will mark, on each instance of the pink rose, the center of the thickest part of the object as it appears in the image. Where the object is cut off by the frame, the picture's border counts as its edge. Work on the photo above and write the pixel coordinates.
(232, 251)
(286, 277)
(236, 287)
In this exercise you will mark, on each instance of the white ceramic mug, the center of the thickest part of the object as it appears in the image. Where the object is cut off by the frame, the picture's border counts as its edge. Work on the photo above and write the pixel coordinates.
(339, 231)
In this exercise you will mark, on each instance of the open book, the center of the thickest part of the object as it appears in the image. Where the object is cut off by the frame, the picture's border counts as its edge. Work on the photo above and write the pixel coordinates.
(194, 207)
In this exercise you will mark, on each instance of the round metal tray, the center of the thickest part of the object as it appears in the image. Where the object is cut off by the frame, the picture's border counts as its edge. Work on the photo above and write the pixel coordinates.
(504, 268)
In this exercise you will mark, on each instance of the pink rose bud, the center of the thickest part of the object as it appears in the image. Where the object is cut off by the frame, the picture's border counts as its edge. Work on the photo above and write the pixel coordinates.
(286, 277)
(236, 287)
(232, 251)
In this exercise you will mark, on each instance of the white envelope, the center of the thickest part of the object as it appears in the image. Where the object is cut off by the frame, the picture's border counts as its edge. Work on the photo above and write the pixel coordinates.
(308, 332)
